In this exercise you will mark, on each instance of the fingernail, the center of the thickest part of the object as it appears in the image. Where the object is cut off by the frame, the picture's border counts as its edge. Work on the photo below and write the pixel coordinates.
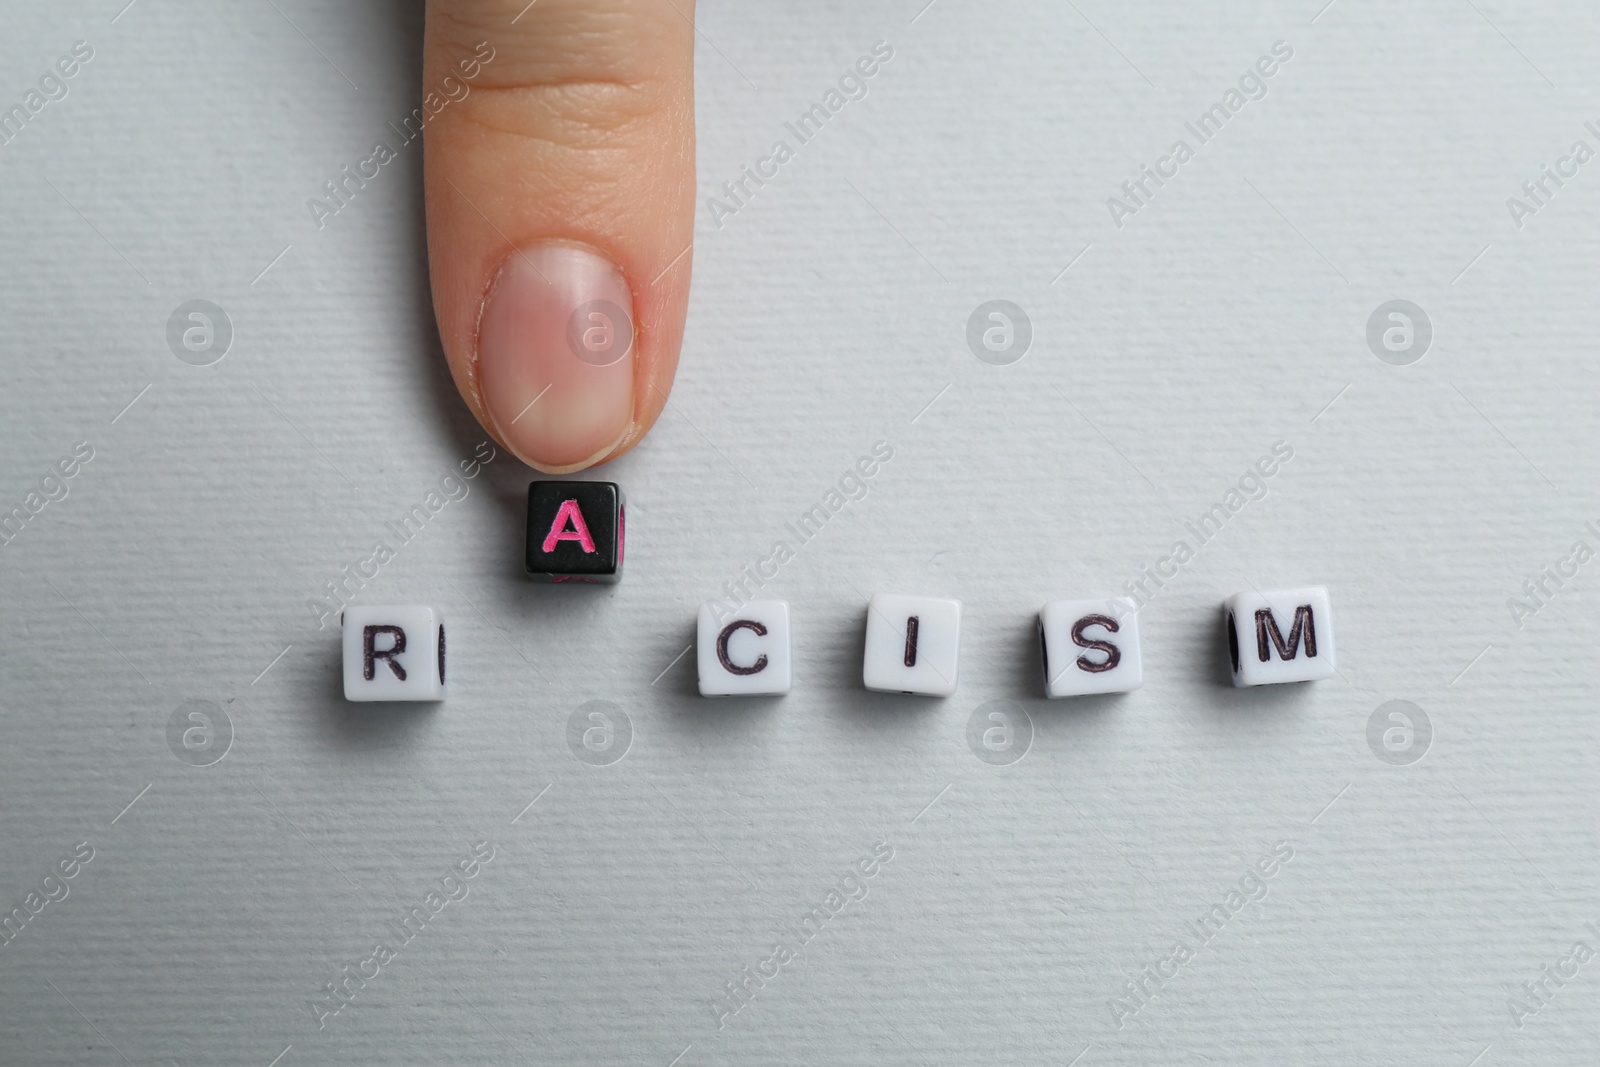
(555, 356)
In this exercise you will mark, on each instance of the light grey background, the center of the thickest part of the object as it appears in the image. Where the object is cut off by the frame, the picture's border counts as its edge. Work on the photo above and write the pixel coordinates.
(828, 313)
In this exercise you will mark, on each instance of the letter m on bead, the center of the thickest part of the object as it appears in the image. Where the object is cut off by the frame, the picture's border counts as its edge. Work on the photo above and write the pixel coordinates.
(1269, 637)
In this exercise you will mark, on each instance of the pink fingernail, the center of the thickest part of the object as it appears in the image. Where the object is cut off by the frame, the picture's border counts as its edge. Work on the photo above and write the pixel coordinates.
(555, 356)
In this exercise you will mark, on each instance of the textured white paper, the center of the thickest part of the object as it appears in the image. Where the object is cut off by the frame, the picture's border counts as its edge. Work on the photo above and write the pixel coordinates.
(649, 845)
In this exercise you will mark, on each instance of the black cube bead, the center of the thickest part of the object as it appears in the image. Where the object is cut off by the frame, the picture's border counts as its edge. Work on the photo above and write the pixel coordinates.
(575, 531)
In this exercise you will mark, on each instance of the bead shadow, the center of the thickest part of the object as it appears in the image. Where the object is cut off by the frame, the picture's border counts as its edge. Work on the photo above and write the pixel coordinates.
(1024, 656)
(694, 715)
(841, 673)
(1219, 649)
(1088, 706)
(357, 726)
(682, 679)
(1215, 669)
(376, 724)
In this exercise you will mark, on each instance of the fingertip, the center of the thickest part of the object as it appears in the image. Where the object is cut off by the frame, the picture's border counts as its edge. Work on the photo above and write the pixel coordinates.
(560, 213)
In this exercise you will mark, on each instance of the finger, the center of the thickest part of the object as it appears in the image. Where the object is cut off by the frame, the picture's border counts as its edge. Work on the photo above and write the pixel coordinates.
(560, 198)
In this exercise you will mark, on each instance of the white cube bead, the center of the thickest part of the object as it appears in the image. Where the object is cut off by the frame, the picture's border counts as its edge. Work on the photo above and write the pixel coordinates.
(745, 652)
(912, 645)
(1283, 635)
(393, 653)
(1090, 646)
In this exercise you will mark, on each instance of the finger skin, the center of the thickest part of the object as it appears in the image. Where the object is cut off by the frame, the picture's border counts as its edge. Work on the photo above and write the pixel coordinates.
(577, 129)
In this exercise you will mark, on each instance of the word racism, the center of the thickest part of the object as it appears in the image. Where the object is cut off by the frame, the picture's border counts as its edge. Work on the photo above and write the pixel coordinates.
(852, 86)
(342, 190)
(1252, 86)
(341, 592)
(1537, 994)
(51, 888)
(1566, 167)
(353, 977)
(52, 86)
(51, 487)
(852, 485)
(747, 981)
(1140, 990)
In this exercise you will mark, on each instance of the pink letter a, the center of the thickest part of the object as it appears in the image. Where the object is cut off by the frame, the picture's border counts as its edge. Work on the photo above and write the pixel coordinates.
(579, 532)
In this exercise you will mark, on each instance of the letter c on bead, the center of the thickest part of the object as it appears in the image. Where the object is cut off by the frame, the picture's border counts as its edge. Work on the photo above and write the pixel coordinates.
(722, 647)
